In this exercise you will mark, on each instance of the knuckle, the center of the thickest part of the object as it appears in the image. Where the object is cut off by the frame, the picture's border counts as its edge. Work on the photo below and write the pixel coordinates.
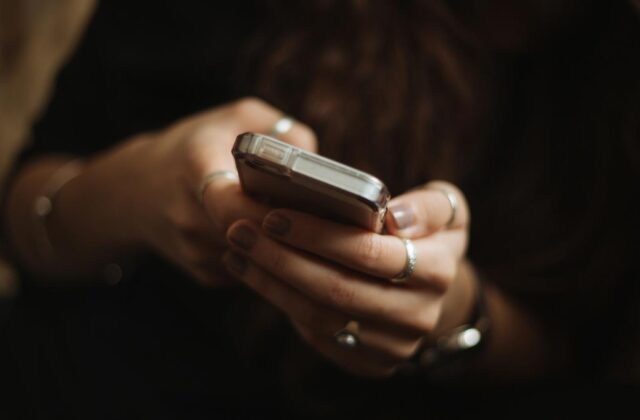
(180, 220)
(202, 132)
(247, 106)
(340, 295)
(194, 255)
(442, 268)
(192, 154)
(449, 271)
(196, 148)
(423, 321)
(369, 250)
(221, 216)
(277, 262)
(222, 220)
(446, 274)
(306, 137)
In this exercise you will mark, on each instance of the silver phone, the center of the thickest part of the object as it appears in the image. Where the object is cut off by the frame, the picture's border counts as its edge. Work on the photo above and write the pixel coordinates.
(287, 176)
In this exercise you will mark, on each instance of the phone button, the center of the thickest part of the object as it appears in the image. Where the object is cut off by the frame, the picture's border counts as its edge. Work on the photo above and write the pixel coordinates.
(273, 153)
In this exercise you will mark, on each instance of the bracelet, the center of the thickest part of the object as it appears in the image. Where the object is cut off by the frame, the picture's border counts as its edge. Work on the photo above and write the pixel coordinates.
(451, 354)
(44, 204)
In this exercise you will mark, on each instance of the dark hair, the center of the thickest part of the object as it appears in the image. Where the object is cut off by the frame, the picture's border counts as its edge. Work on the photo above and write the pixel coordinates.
(543, 140)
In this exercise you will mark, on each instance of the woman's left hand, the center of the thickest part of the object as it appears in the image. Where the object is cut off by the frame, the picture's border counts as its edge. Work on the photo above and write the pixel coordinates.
(324, 275)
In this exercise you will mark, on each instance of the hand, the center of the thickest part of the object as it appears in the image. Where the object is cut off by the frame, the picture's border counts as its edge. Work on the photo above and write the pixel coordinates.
(163, 196)
(324, 274)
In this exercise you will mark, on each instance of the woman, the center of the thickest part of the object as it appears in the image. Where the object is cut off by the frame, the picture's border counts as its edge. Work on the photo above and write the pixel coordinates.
(491, 98)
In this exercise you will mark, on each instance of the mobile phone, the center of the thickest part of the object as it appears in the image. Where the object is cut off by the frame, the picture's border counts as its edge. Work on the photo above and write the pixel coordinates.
(287, 176)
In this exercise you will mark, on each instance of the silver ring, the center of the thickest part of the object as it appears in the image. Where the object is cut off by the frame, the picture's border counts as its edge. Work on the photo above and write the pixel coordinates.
(453, 201)
(282, 126)
(348, 336)
(410, 264)
(209, 178)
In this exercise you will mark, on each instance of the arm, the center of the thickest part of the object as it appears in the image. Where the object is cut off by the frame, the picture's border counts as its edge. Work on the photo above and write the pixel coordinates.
(349, 283)
(141, 195)
(86, 228)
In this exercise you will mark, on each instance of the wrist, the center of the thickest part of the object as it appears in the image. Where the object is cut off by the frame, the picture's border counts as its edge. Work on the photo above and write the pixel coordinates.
(455, 344)
(459, 301)
(95, 215)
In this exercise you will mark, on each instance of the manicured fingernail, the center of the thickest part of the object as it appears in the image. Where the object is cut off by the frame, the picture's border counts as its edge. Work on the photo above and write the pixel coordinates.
(243, 237)
(235, 263)
(401, 215)
(276, 224)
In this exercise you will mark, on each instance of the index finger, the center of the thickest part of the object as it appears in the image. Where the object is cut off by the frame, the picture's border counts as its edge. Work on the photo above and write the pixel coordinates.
(256, 115)
(225, 202)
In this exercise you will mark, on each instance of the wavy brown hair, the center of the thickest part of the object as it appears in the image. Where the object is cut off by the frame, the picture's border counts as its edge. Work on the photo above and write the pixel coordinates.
(375, 79)
(543, 138)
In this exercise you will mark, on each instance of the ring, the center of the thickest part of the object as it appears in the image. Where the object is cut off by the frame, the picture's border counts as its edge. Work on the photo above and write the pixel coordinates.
(282, 126)
(453, 201)
(410, 264)
(348, 336)
(209, 178)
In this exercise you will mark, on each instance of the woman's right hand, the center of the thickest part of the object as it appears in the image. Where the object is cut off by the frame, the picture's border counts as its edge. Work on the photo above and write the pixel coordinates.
(164, 198)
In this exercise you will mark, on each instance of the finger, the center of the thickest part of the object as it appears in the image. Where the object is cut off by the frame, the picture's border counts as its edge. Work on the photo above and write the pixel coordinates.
(212, 133)
(310, 319)
(225, 203)
(423, 211)
(300, 135)
(381, 256)
(343, 290)
(384, 342)
(257, 115)
(356, 361)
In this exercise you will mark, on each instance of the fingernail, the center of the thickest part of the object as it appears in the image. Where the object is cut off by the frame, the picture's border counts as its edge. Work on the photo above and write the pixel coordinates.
(235, 263)
(276, 224)
(243, 237)
(401, 215)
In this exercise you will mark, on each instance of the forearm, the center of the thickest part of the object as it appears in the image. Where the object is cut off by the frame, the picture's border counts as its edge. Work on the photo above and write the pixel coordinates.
(91, 221)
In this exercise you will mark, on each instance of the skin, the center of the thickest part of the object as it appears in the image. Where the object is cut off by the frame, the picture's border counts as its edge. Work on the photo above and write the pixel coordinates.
(323, 274)
(343, 274)
(143, 195)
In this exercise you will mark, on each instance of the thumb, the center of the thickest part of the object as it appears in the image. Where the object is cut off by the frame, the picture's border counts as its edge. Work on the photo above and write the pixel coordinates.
(420, 212)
